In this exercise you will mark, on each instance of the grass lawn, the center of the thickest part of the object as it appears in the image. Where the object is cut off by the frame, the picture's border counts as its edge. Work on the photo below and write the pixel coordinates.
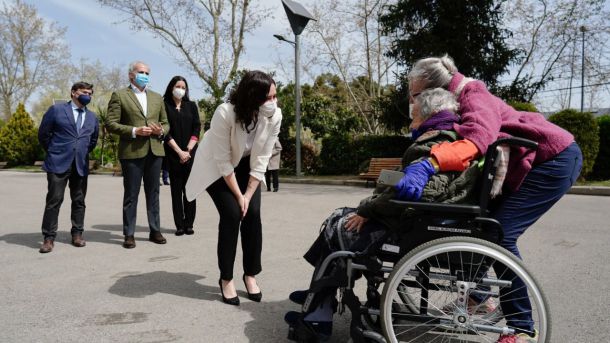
(605, 183)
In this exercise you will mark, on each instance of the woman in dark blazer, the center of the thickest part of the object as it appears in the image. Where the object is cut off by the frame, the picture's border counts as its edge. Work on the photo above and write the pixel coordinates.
(180, 146)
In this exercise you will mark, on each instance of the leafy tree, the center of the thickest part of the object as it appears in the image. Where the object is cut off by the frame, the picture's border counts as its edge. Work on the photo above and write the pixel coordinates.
(470, 31)
(586, 133)
(19, 139)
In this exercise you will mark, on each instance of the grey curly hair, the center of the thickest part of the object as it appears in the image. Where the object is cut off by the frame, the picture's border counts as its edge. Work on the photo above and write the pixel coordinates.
(433, 71)
(432, 101)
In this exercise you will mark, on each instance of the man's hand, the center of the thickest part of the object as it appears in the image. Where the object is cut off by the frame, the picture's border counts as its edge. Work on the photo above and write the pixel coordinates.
(411, 186)
(355, 222)
(157, 129)
(143, 131)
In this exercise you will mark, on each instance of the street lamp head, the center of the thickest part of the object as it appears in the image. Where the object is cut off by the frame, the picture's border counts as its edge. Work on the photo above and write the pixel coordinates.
(298, 16)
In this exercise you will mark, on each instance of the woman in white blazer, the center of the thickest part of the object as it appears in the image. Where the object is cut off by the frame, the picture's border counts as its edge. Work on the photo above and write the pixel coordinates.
(230, 164)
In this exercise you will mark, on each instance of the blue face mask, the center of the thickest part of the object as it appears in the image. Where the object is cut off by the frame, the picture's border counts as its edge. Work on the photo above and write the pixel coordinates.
(141, 79)
(84, 99)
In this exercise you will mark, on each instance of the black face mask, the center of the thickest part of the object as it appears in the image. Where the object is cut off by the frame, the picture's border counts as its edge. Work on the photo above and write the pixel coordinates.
(84, 99)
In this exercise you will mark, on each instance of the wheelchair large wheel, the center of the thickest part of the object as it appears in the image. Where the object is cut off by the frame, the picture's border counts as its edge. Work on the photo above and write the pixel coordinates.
(430, 294)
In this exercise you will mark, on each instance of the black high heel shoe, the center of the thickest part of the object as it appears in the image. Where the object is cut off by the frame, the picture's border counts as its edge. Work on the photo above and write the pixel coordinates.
(231, 301)
(252, 296)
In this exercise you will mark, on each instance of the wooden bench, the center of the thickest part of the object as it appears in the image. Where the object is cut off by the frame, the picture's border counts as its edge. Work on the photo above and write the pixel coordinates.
(377, 164)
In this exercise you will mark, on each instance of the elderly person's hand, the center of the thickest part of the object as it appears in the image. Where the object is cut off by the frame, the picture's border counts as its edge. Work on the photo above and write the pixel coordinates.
(355, 223)
(411, 186)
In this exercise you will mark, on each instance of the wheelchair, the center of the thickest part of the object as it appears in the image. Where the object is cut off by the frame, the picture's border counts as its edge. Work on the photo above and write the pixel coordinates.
(420, 282)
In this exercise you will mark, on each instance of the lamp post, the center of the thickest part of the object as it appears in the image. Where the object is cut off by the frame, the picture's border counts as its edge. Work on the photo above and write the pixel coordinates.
(298, 17)
(583, 29)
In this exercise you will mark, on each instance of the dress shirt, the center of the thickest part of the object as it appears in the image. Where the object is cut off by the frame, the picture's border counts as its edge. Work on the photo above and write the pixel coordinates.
(75, 113)
(141, 96)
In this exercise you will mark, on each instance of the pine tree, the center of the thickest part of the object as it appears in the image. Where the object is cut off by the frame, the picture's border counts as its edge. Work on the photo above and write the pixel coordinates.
(470, 31)
(19, 139)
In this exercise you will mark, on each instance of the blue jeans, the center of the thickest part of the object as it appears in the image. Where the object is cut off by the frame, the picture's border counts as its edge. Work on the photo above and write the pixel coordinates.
(543, 186)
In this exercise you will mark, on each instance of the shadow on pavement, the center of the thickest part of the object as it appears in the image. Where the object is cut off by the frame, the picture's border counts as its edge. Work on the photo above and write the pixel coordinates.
(101, 233)
(119, 228)
(179, 284)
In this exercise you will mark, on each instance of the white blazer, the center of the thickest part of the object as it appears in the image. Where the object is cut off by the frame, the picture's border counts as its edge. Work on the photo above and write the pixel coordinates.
(223, 145)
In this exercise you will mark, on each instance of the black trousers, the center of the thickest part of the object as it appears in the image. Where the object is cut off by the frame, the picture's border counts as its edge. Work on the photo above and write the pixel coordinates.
(272, 174)
(183, 210)
(231, 224)
(56, 187)
(134, 170)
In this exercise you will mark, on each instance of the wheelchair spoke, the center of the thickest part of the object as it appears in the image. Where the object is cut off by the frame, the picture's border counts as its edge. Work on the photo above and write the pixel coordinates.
(420, 297)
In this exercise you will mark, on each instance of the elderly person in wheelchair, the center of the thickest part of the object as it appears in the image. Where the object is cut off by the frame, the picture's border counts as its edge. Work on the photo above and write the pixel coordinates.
(357, 229)
(432, 248)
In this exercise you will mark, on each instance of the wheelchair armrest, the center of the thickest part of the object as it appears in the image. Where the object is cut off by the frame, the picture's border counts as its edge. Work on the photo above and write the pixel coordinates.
(438, 207)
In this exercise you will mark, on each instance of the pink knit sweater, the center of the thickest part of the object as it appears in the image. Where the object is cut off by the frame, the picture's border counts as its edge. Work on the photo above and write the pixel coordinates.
(486, 118)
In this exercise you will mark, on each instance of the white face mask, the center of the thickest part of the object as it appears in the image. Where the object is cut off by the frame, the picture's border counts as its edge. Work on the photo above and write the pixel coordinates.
(268, 109)
(178, 93)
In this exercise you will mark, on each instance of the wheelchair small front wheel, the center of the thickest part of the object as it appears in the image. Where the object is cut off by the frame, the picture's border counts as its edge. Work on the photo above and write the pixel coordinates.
(449, 290)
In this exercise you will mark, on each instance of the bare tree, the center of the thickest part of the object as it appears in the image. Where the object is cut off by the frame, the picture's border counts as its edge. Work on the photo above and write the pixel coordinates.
(548, 31)
(204, 35)
(347, 40)
(33, 52)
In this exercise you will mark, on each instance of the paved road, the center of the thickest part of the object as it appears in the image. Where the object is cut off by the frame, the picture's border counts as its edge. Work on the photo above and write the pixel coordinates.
(169, 293)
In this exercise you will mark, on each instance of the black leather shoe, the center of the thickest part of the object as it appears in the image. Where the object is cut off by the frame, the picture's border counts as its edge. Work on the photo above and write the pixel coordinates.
(179, 232)
(157, 237)
(231, 301)
(189, 231)
(252, 296)
(129, 242)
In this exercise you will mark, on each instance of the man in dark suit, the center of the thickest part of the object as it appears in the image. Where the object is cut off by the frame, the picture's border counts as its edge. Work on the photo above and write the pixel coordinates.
(138, 116)
(68, 133)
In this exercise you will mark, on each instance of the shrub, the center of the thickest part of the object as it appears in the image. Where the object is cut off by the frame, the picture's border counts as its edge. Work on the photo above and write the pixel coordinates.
(350, 155)
(523, 106)
(309, 158)
(586, 133)
(19, 139)
(601, 168)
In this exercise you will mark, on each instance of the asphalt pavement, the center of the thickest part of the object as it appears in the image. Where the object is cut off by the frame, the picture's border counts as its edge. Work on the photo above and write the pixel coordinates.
(169, 293)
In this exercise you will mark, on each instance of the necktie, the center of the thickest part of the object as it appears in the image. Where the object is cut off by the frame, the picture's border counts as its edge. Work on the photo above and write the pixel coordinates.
(79, 120)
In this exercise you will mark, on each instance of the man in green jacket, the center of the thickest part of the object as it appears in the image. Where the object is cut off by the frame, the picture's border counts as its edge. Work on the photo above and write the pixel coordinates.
(137, 115)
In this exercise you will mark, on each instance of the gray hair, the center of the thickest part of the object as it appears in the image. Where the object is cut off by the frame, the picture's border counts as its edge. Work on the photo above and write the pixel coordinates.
(434, 71)
(132, 65)
(432, 101)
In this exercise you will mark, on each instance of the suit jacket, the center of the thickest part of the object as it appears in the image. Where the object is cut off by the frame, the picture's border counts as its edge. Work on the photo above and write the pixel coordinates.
(222, 147)
(59, 138)
(125, 113)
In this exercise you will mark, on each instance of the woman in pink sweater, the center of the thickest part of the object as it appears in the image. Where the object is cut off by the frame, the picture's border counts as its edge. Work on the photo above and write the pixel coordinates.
(535, 179)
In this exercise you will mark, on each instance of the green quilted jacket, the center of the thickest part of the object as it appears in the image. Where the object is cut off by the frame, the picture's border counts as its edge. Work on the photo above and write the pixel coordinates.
(445, 187)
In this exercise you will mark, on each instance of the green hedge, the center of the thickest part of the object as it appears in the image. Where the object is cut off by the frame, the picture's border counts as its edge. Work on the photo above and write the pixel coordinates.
(523, 106)
(350, 155)
(601, 168)
(586, 133)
